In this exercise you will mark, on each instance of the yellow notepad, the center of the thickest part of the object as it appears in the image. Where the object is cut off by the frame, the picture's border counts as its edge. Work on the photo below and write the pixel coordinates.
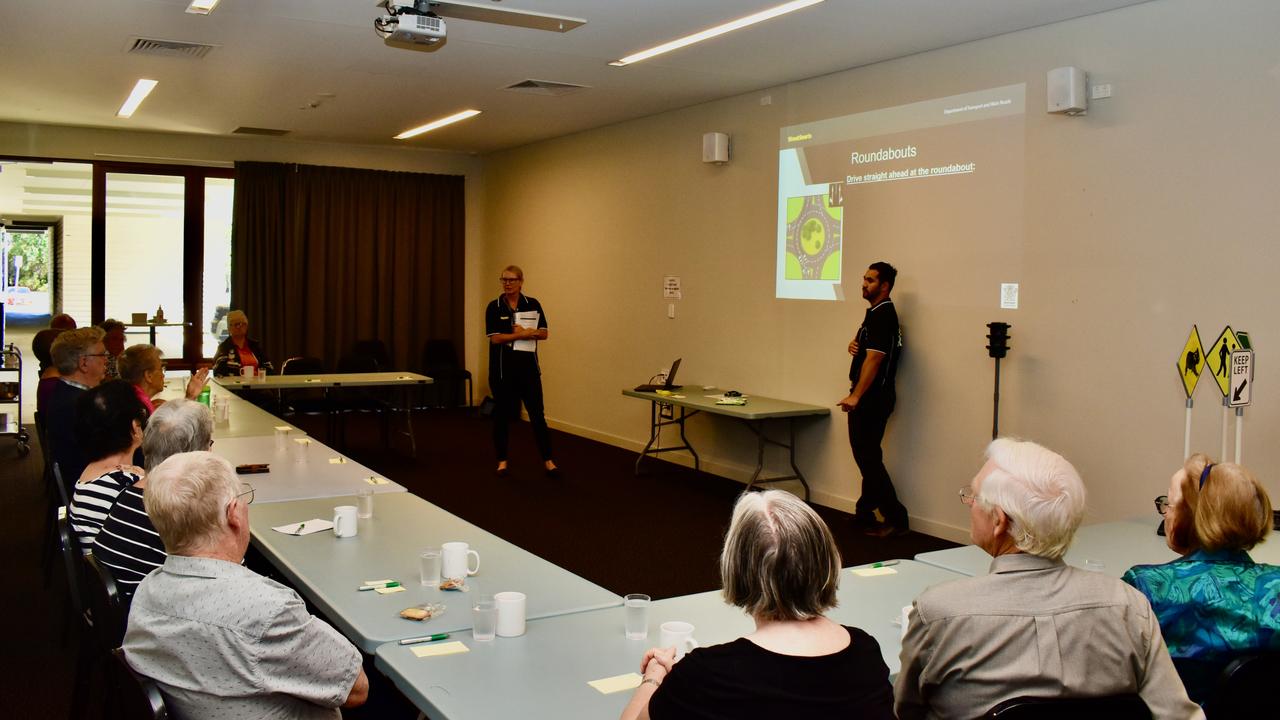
(389, 590)
(874, 571)
(448, 648)
(375, 480)
(617, 683)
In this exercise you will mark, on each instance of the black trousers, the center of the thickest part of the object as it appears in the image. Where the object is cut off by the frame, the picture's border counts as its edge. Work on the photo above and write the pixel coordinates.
(508, 392)
(867, 423)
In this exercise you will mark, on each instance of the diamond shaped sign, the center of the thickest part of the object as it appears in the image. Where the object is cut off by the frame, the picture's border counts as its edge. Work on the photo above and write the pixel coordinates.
(1218, 360)
(1191, 362)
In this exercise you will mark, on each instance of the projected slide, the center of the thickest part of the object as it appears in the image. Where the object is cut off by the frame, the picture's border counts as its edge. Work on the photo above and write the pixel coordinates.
(853, 186)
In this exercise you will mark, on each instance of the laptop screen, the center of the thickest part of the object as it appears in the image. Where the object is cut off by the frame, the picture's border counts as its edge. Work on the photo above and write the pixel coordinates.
(671, 375)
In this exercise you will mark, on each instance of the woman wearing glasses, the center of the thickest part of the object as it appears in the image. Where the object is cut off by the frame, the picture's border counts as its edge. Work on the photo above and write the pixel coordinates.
(515, 323)
(1214, 603)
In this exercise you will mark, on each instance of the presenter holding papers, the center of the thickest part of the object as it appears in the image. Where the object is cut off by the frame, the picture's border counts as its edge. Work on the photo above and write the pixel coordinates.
(515, 323)
(875, 350)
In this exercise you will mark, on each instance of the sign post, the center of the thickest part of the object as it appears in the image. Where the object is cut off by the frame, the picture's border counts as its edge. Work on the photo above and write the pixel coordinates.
(1241, 395)
(1218, 362)
(1190, 365)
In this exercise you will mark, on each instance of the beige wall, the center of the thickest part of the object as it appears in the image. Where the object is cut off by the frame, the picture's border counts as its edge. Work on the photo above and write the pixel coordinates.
(1156, 211)
(90, 143)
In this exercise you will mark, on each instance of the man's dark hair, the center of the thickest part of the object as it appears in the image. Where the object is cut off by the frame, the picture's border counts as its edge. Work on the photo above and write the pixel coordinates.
(104, 418)
(41, 344)
(111, 324)
(886, 272)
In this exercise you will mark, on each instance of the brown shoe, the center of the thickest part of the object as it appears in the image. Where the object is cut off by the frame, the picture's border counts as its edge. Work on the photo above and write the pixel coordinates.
(886, 530)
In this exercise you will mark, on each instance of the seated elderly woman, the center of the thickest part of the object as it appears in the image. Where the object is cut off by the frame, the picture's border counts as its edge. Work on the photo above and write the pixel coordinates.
(1214, 603)
(41, 347)
(128, 544)
(143, 367)
(781, 565)
(109, 423)
(238, 351)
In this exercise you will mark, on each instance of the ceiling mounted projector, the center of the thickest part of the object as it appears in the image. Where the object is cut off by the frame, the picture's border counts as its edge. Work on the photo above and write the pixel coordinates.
(420, 23)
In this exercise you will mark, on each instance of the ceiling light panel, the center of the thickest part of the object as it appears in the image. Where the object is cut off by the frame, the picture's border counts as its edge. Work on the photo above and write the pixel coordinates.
(141, 90)
(436, 124)
(716, 31)
(202, 7)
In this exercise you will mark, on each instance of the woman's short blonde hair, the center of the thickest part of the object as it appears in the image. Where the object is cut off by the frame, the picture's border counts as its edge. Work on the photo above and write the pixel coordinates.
(136, 361)
(235, 315)
(779, 560)
(1231, 511)
(187, 497)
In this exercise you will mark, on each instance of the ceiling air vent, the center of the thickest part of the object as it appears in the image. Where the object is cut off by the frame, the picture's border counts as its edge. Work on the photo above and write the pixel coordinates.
(544, 87)
(259, 131)
(169, 48)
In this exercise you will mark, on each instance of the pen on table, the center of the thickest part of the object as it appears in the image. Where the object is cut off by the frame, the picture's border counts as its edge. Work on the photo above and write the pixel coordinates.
(375, 586)
(884, 563)
(425, 638)
(299, 530)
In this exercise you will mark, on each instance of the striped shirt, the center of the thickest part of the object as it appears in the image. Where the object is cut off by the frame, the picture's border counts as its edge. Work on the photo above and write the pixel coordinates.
(93, 500)
(128, 544)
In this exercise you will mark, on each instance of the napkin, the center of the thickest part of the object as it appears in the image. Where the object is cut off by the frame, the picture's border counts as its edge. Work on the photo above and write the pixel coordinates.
(617, 683)
(448, 648)
(874, 571)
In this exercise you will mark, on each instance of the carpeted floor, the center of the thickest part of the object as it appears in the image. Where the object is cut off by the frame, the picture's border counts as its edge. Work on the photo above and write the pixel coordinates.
(659, 533)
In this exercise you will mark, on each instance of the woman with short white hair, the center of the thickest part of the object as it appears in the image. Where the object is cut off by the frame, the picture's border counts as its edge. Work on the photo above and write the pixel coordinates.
(238, 351)
(779, 564)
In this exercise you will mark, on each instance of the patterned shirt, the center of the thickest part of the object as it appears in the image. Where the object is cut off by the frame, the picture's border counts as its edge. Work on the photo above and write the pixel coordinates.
(91, 502)
(1212, 606)
(128, 544)
(224, 642)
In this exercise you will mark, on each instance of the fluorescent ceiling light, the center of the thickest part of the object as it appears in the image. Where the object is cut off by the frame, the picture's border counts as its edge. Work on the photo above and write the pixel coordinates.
(437, 124)
(140, 92)
(202, 7)
(716, 31)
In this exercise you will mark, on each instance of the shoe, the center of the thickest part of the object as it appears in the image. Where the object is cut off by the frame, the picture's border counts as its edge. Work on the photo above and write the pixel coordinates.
(502, 471)
(887, 531)
(552, 472)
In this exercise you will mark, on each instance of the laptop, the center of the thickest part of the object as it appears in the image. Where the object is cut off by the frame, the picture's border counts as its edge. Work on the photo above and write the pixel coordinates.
(669, 385)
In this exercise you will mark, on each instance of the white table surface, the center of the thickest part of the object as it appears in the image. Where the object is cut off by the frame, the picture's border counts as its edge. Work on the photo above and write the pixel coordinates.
(322, 380)
(290, 480)
(327, 570)
(244, 419)
(544, 673)
(1118, 545)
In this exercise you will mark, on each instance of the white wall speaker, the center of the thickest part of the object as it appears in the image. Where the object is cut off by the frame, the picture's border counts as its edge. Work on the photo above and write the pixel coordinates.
(1067, 91)
(715, 148)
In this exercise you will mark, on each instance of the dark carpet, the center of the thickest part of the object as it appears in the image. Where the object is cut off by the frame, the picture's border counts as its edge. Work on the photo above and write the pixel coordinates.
(659, 533)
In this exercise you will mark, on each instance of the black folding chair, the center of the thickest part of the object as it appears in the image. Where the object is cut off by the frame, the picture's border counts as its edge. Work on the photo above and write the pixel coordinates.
(1244, 688)
(361, 399)
(107, 608)
(375, 349)
(136, 697)
(1111, 707)
(440, 363)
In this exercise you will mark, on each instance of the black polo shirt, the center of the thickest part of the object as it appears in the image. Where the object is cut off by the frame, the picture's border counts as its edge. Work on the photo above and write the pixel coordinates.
(499, 318)
(879, 331)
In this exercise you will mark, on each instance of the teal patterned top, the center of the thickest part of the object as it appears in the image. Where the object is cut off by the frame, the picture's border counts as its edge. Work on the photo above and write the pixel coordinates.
(1212, 606)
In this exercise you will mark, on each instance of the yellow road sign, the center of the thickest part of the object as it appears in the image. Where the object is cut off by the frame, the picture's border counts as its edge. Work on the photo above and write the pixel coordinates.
(1218, 360)
(1191, 362)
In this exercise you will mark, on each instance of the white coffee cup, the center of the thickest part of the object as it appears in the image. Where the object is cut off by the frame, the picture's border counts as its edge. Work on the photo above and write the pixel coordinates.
(345, 523)
(455, 562)
(511, 608)
(247, 372)
(679, 635)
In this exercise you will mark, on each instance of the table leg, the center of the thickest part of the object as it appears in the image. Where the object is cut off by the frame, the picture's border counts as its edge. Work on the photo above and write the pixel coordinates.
(408, 419)
(757, 427)
(656, 423)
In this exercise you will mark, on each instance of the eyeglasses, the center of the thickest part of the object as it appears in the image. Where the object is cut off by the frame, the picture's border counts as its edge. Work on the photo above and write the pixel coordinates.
(245, 489)
(102, 354)
(505, 280)
(967, 496)
(1162, 504)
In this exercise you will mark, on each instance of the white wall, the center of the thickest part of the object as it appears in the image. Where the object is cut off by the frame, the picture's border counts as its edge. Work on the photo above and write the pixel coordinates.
(1155, 211)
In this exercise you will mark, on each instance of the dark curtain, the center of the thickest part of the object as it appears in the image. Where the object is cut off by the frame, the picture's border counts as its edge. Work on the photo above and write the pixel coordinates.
(322, 257)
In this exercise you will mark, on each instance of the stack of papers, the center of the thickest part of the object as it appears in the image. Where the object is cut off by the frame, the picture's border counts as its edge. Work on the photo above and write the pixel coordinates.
(305, 527)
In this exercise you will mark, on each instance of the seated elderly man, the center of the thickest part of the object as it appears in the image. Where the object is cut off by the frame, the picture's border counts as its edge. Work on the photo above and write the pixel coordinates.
(219, 639)
(128, 544)
(81, 359)
(1034, 626)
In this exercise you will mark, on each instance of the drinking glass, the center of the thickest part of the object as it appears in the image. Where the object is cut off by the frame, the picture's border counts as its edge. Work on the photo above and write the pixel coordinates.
(364, 496)
(636, 609)
(429, 563)
(484, 625)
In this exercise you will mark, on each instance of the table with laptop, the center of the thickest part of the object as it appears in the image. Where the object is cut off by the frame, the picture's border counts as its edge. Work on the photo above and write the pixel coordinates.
(673, 405)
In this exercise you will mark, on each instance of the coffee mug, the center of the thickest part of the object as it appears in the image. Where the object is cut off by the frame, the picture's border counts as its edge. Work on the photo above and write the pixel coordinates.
(679, 635)
(344, 521)
(511, 607)
(247, 372)
(456, 563)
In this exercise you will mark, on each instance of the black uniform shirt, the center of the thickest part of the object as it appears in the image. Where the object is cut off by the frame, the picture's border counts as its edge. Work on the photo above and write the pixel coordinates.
(499, 318)
(879, 332)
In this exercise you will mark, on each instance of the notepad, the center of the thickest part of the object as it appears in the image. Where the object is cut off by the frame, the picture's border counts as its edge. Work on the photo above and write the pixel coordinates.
(617, 683)
(313, 525)
(303, 441)
(448, 648)
(389, 590)
(874, 571)
(283, 428)
(338, 461)
(375, 480)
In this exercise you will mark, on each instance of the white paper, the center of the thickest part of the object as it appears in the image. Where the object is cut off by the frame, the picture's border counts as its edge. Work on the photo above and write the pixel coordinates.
(313, 525)
(527, 319)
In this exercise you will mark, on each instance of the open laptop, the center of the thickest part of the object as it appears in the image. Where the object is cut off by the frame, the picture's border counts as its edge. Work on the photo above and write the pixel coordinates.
(668, 385)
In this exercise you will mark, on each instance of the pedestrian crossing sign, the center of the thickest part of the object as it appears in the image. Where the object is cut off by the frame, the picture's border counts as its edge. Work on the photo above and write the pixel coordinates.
(1218, 360)
(1191, 362)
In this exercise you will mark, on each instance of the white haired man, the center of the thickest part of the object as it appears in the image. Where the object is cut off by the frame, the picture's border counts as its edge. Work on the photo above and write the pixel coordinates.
(1034, 626)
(219, 639)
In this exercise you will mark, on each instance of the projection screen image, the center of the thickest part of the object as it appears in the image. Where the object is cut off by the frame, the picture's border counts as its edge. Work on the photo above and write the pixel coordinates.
(950, 167)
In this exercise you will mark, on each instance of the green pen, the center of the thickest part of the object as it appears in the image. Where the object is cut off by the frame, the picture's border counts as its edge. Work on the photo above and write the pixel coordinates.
(391, 584)
(425, 638)
(884, 563)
